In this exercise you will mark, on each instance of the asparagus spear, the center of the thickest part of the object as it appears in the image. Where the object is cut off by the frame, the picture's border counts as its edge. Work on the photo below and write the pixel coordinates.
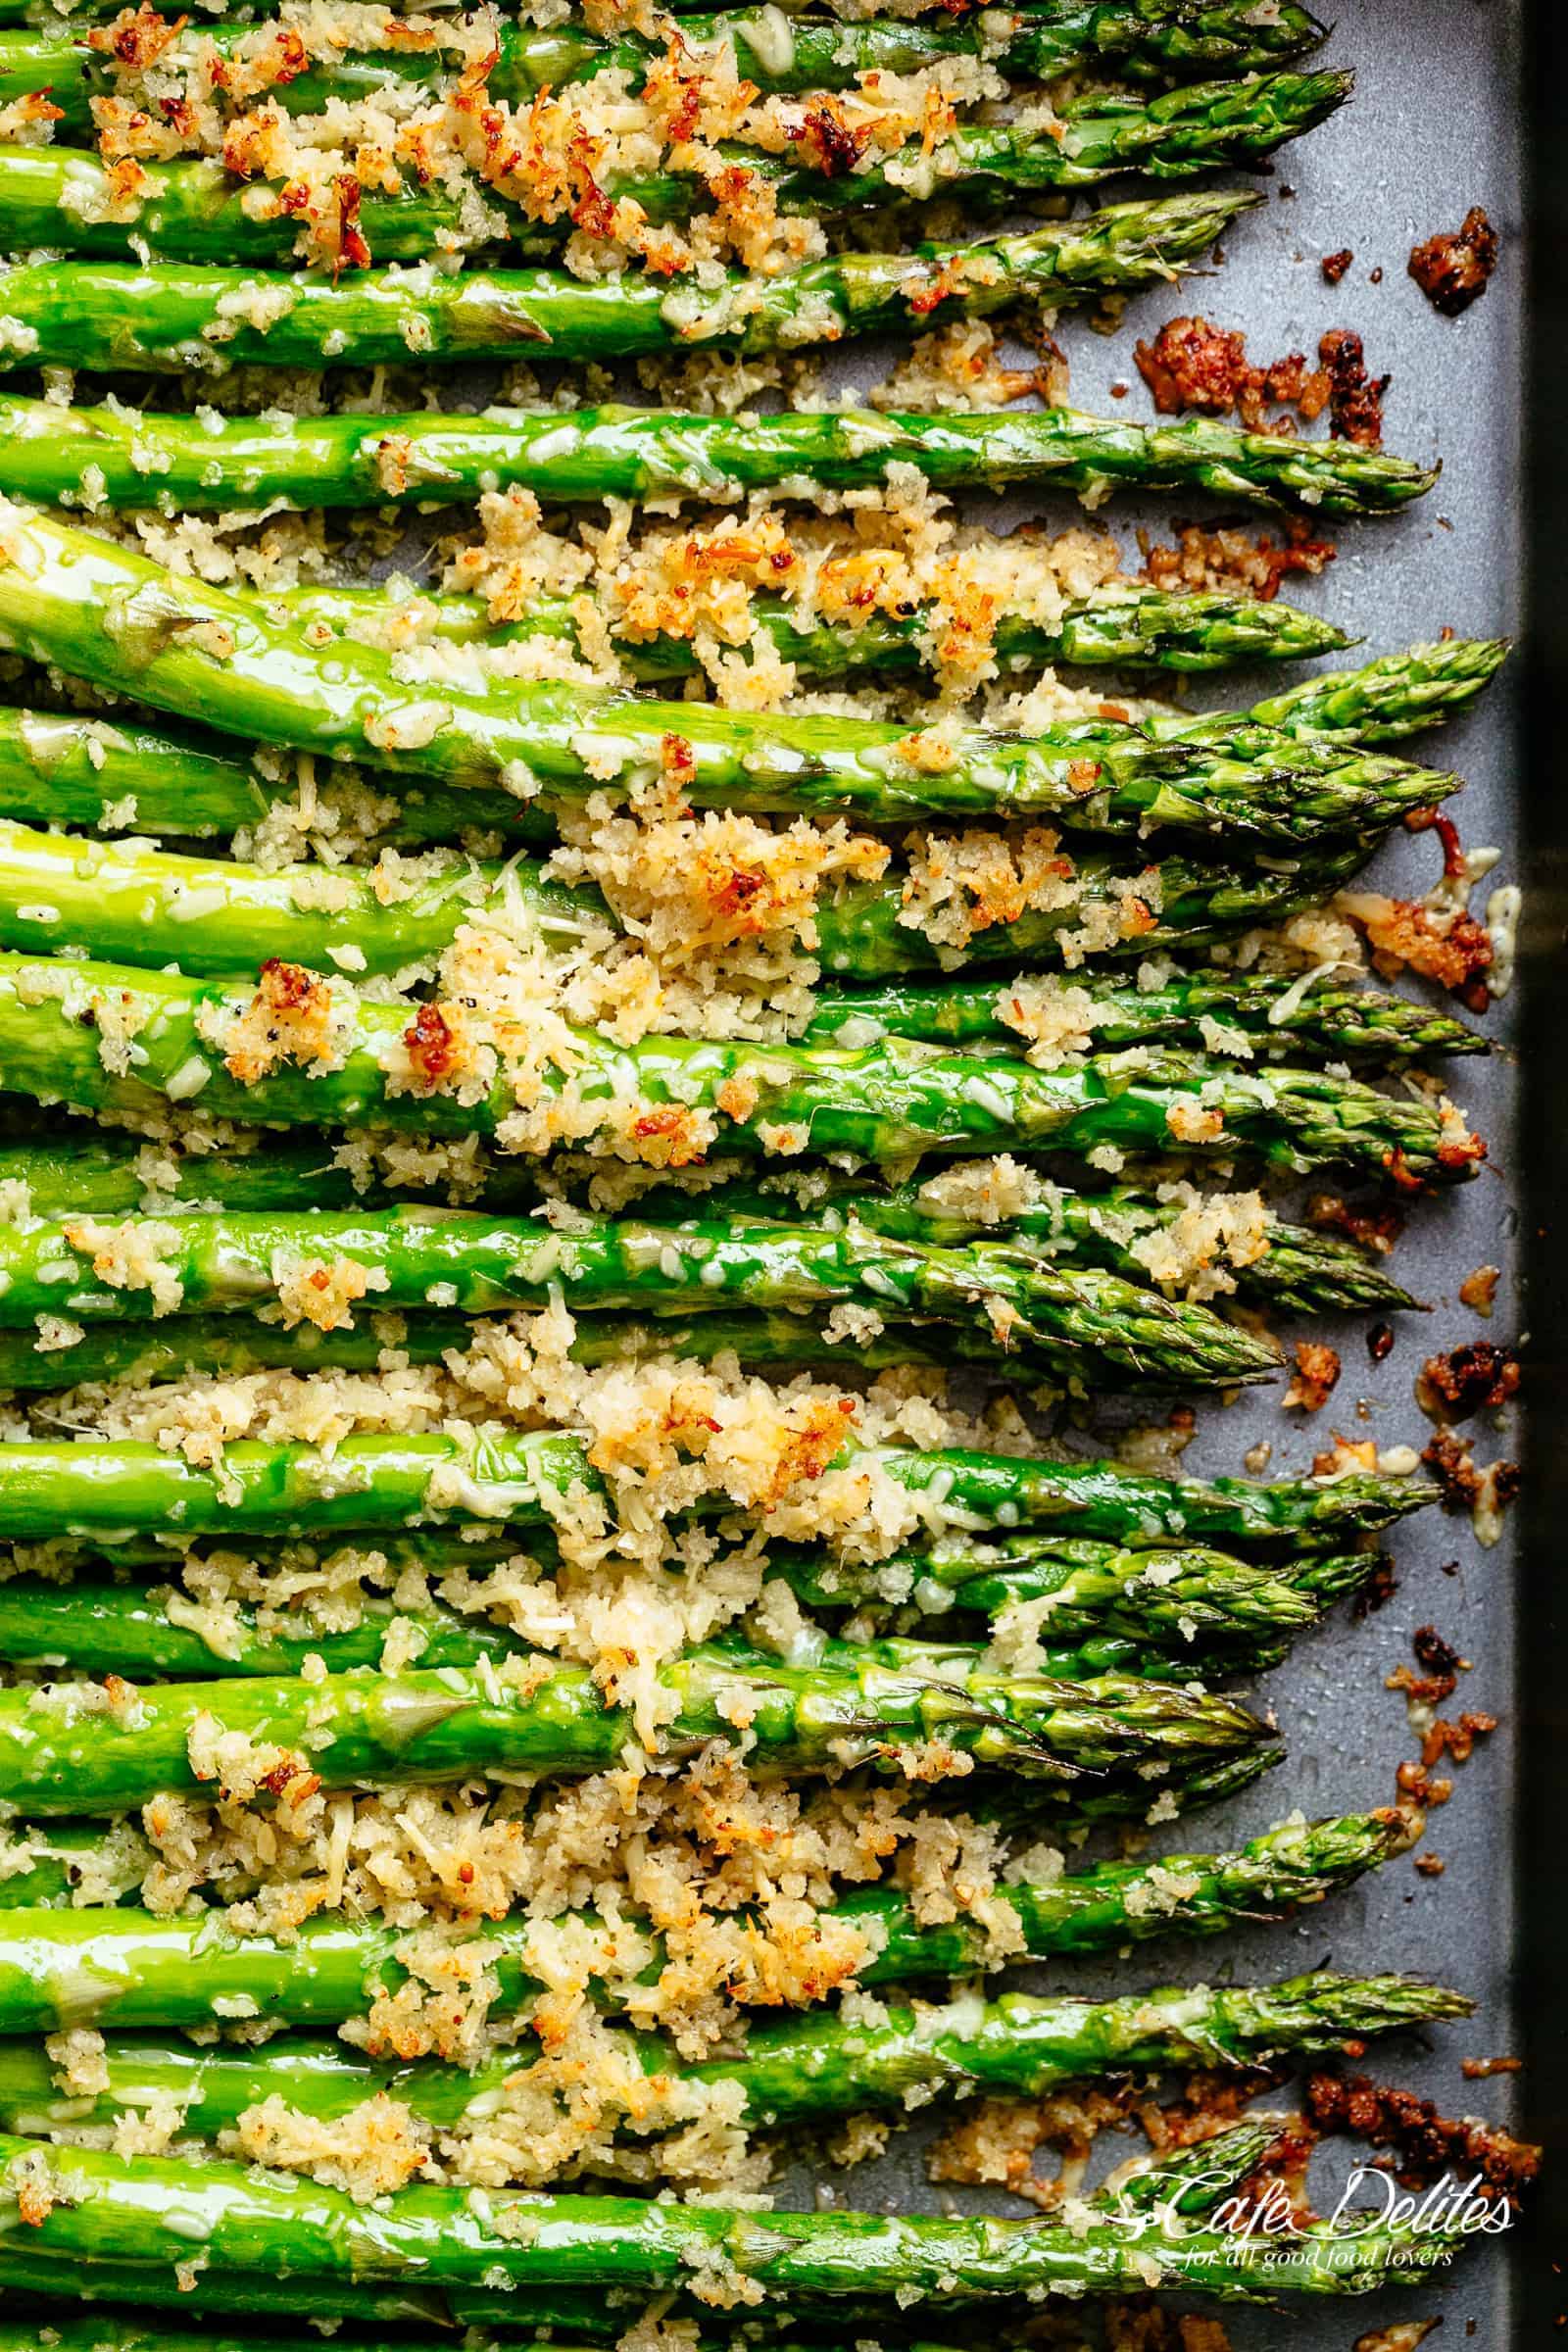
(114, 1490)
(1186, 1600)
(183, 1346)
(1145, 38)
(1125, 626)
(793, 2073)
(1387, 699)
(816, 54)
(98, 1173)
(994, 1302)
(886, 1101)
(131, 458)
(108, 1628)
(131, 1969)
(194, 211)
(106, 613)
(1192, 2181)
(1299, 1269)
(1218, 1617)
(449, 1723)
(145, 2214)
(1274, 1015)
(861, 927)
(115, 316)
(127, 901)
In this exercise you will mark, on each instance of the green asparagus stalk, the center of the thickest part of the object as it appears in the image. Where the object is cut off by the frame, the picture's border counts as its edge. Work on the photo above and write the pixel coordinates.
(1215, 1616)
(131, 458)
(1122, 626)
(108, 315)
(1299, 1269)
(96, 1172)
(147, 2212)
(1192, 2182)
(127, 901)
(862, 928)
(101, 1174)
(65, 1354)
(815, 54)
(1274, 1015)
(57, 1755)
(793, 2072)
(102, 611)
(881, 1103)
(95, 1630)
(129, 1970)
(118, 1488)
(1189, 1601)
(1145, 39)
(1186, 1603)
(195, 210)
(1075, 1322)
(1390, 699)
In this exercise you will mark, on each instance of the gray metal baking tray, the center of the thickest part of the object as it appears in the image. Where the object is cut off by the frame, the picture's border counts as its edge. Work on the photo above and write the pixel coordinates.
(1433, 127)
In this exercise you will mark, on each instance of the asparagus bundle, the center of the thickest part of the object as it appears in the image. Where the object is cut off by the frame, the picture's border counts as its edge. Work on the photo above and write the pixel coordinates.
(792, 2073)
(197, 211)
(104, 612)
(109, 314)
(143, 2214)
(59, 1754)
(662, 1097)
(98, 1173)
(131, 458)
(1077, 1323)
(1142, 41)
(116, 1490)
(133, 1970)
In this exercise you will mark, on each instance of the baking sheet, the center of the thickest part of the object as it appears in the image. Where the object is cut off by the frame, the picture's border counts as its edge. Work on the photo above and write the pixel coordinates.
(1433, 129)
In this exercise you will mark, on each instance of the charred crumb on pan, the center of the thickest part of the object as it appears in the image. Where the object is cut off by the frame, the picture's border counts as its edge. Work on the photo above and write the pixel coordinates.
(1314, 1378)
(1474, 1377)
(1454, 267)
(1355, 398)
(1479, 1290)
(1485, 1492)
(1193, 364)
(1425, 2143)
(1229, 558)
